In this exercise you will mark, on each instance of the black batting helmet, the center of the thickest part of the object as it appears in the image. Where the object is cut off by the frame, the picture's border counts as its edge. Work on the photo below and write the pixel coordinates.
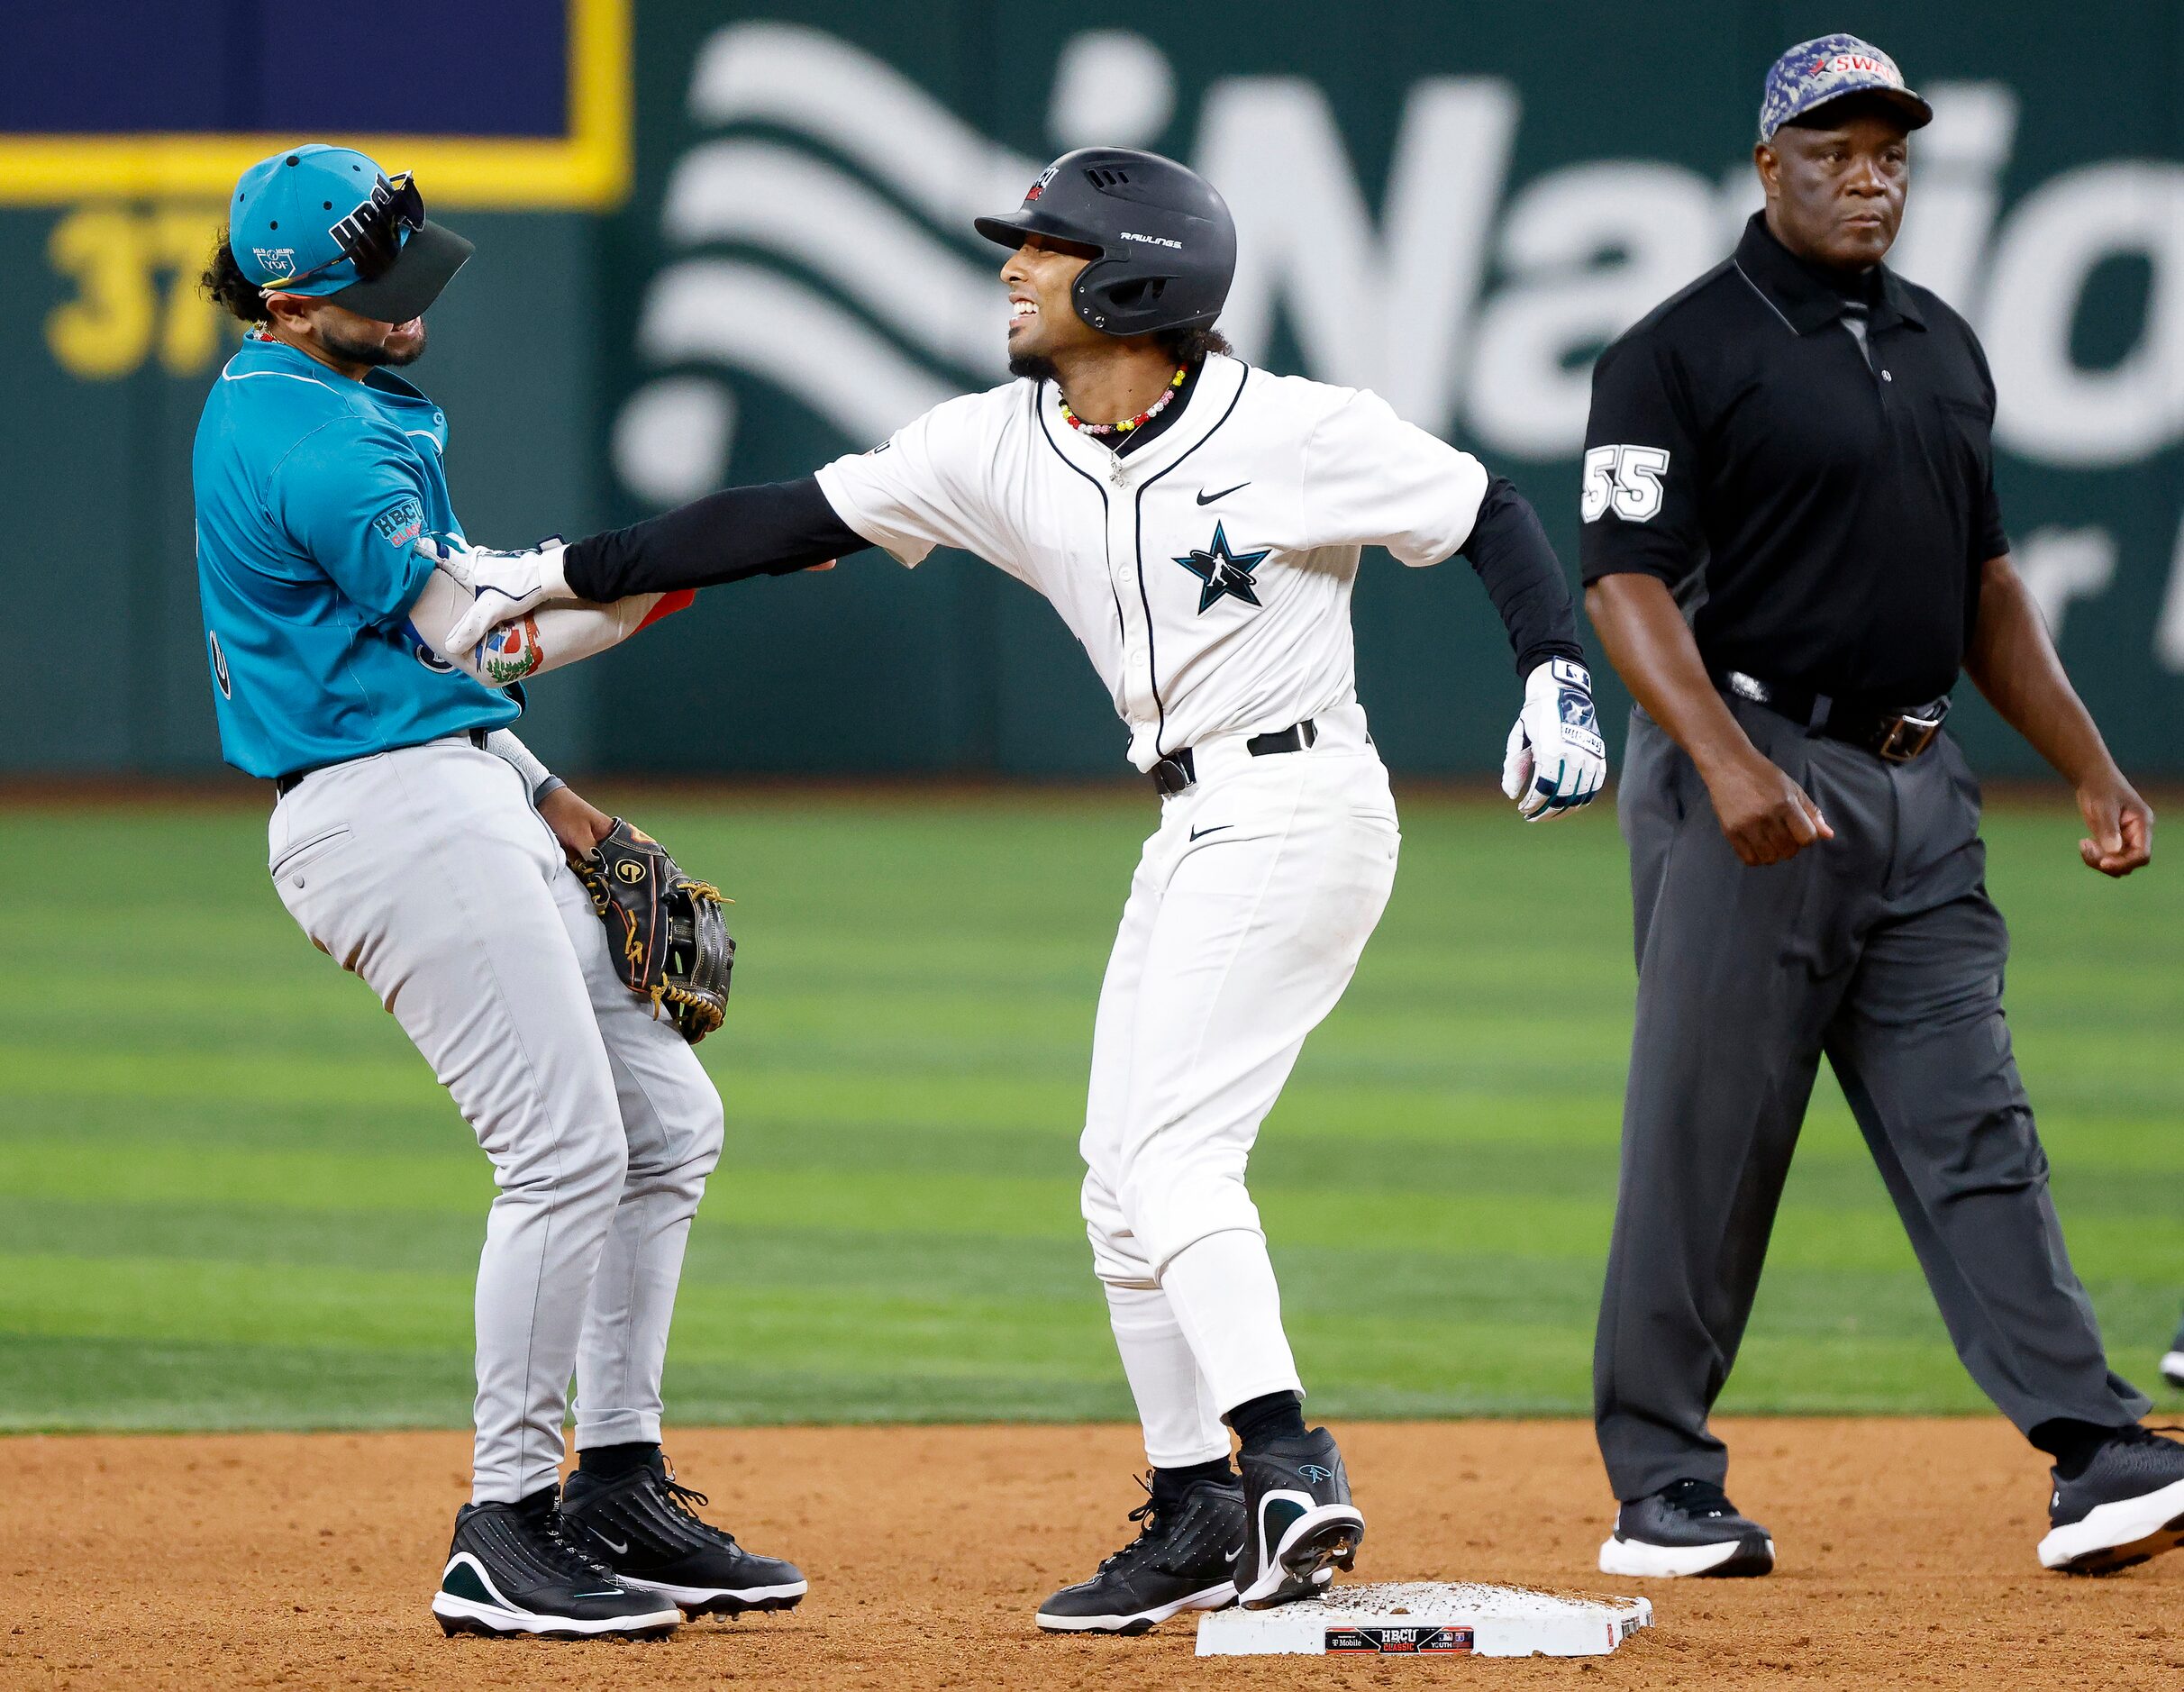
(1165, 245)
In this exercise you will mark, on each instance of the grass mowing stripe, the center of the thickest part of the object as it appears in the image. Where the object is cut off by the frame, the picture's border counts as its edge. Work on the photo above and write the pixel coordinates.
(903, 1071)
(727, 1263)
(164, 1298)
(973, 1208)
(159, 1385)
(733, 1261)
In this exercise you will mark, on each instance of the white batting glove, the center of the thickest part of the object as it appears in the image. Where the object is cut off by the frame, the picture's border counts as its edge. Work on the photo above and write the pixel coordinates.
(1556, 760)
(503, 584)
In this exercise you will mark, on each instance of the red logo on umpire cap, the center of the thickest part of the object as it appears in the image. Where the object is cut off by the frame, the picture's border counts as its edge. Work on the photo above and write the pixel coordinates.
(1842, 63)
(1040, 187)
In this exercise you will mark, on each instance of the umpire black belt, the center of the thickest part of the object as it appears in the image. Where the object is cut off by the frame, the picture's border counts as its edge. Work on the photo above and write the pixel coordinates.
(1179, 771)
(283, 786)
(1898, 733)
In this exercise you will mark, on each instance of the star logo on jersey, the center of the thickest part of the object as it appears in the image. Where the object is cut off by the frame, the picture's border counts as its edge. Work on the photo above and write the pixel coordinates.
(1224, 573)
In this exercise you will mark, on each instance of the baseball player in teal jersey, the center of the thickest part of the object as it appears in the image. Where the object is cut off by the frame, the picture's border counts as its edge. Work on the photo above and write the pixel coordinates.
(417, 842)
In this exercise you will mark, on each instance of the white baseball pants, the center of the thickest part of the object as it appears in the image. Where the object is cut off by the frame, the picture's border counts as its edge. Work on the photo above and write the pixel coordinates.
(428, 872)
(1250, 909)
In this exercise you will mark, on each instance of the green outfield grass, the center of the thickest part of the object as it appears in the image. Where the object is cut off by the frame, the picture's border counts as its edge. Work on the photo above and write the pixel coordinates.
(231, 1195)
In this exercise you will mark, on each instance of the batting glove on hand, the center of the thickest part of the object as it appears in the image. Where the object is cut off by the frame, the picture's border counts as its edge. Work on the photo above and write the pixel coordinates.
(1556, 760)
(503, 584)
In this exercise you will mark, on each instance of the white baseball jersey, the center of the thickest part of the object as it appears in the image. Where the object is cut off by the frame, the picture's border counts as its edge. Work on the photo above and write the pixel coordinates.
(1208, 572)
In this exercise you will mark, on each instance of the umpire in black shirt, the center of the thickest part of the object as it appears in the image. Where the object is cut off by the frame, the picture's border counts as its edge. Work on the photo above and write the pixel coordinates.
(1791, 549)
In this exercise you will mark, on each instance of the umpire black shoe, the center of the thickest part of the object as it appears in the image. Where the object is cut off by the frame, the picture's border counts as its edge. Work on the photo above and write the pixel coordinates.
(1688, 1527)
(646, 1528)
(1183, 1558)
(512, 1570)
(2127, 1505)
(1301, 1524)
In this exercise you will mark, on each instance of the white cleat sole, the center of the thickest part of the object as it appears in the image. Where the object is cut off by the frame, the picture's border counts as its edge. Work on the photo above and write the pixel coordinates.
(1140, 1621)
(723, 1600)
(2117, 1535)
(1646, 1561)
(2172, 1369)
(471, 1615)
(1313, 1546)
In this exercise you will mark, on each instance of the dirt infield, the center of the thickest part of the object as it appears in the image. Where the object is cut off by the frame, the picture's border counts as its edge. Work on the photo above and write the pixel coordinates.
(307, 1561)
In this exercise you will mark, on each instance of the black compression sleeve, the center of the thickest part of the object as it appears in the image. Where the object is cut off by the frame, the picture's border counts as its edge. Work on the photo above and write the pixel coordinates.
(767, 530)
(1523, 578)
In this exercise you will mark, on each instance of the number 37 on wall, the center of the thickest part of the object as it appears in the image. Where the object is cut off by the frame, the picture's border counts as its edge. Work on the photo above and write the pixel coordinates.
(1627, 477)
(115, 255)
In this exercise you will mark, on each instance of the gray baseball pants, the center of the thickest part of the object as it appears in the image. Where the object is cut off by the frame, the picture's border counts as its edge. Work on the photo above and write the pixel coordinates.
(428, 873)
(1880, 951)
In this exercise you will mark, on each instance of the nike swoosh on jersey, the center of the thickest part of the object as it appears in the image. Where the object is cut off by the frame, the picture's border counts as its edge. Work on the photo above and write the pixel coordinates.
(1206, 498)
(1197, 833)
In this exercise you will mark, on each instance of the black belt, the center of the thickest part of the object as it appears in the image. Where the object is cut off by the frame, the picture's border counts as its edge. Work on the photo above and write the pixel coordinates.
(283, 786)
(1898, 733)
(1179, 771)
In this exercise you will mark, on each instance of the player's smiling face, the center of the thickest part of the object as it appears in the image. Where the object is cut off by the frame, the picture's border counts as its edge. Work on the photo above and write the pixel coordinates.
(1042, 321)
(1835, 189)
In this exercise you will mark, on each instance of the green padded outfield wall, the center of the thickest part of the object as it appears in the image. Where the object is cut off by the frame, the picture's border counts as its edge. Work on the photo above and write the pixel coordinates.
(1454, 204)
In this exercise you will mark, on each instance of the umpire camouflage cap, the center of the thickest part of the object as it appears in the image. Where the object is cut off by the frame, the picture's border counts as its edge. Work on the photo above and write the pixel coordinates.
(1815, 72)
(1163, 240)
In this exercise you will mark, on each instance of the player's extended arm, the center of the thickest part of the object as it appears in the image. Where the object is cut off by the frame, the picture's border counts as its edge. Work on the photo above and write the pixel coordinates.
(769, 529)
(1766, 815)
(2014, 662)
(542, 639)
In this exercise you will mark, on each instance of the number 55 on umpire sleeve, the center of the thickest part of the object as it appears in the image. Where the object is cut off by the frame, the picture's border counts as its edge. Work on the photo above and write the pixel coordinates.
(1627, 477)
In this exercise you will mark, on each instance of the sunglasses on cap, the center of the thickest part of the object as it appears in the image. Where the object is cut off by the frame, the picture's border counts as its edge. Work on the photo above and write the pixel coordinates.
(370, 237)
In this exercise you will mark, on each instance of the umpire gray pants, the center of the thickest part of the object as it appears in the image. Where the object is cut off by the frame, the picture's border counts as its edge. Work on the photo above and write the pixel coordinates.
(1881, 950)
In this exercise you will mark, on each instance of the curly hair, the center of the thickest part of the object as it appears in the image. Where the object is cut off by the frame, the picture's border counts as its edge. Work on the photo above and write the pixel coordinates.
(225, 283)
(1188, 346)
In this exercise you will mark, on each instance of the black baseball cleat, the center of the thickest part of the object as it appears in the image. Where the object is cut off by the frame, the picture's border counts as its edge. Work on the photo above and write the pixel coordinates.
(513, 1570)
(646, 1528)
(1688, 1527)
(1301, 1525)
(1183, 1558)
(2128, 1506)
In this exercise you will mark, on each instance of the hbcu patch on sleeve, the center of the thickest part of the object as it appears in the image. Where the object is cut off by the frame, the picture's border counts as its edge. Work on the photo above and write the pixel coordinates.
(401, 523)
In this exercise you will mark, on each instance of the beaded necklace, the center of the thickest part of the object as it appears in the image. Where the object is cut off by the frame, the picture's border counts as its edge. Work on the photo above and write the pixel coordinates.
(1159, 406)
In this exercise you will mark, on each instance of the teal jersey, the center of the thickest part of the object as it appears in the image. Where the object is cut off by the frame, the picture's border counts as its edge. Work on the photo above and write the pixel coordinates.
(312, 491)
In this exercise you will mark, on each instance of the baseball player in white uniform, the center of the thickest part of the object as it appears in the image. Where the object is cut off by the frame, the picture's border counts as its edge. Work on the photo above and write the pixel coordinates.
(1202, 546)
(417, 842)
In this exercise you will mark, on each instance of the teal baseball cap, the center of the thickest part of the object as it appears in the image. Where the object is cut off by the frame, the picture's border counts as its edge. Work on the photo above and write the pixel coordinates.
(329, 223)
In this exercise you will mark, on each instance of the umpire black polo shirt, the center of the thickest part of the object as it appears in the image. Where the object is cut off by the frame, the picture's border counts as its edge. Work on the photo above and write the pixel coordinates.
(1819, 500)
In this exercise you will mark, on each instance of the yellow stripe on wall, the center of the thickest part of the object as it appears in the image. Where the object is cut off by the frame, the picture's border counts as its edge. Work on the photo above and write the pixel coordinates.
(588, 171)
